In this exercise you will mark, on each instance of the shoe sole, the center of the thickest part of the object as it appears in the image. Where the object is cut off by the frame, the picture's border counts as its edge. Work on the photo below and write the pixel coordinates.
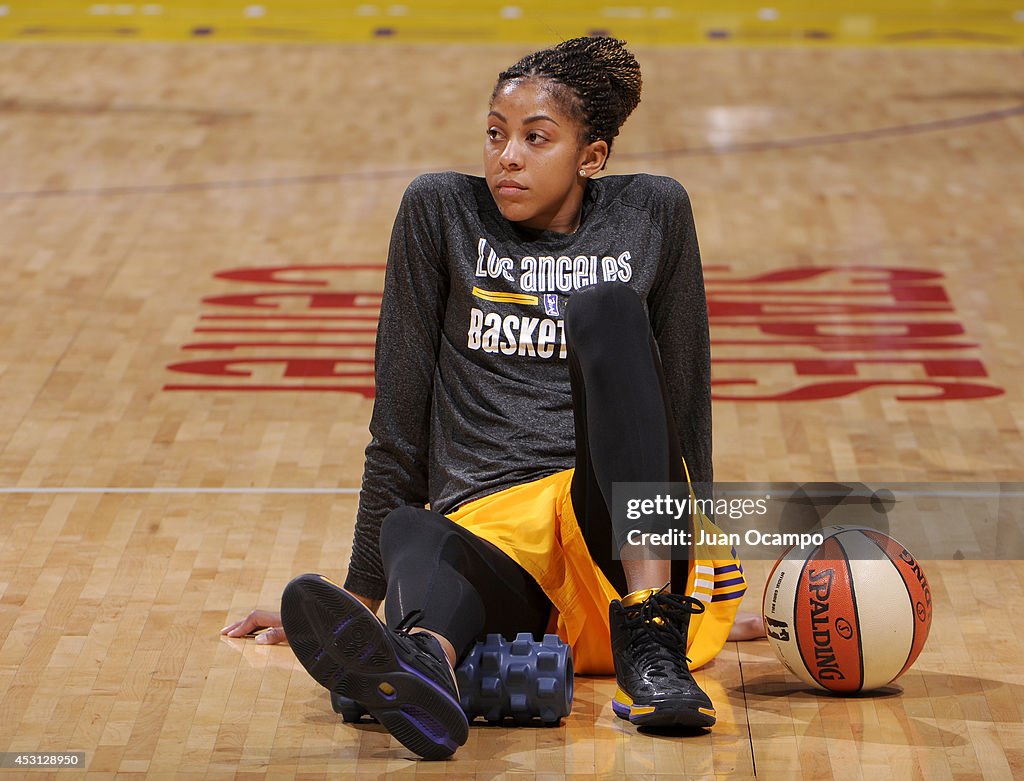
(347, 650)
(664, 714)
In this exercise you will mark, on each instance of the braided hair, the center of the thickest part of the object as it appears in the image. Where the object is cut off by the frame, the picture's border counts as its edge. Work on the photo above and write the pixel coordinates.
(596, 79)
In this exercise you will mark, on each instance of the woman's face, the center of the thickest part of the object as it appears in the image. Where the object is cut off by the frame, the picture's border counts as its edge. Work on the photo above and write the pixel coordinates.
(533, 157)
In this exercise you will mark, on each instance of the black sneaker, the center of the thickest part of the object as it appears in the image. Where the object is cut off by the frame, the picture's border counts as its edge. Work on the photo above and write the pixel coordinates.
(402, 679)
(655, 687)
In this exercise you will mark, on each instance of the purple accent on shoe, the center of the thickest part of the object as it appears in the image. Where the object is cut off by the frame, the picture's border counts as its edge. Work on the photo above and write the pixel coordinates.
(371, 648)
(337, 630)
(430, 728)
(424, 678)
(620, 710)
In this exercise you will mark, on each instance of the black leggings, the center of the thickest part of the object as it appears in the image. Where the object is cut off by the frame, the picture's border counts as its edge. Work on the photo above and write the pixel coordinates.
(465, 586)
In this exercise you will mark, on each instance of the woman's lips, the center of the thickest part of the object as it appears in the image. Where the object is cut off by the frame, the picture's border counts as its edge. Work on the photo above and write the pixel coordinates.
(508, 187)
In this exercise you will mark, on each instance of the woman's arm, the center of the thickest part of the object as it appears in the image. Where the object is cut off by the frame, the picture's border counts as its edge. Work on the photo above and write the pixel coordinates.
(678, 306)
(408, 337)
(679, 319)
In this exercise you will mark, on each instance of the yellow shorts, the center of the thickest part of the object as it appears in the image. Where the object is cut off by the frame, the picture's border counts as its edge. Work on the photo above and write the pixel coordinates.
(535, 525)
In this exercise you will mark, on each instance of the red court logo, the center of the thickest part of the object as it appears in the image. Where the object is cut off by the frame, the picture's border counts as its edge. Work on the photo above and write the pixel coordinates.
(824, 332)
(792, 334)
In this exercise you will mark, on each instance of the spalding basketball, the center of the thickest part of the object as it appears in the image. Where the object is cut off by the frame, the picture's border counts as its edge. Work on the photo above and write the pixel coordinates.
(850, 615)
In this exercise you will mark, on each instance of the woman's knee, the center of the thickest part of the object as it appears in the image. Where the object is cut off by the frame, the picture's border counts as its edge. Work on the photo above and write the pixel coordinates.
(412, 528)
(609, 314)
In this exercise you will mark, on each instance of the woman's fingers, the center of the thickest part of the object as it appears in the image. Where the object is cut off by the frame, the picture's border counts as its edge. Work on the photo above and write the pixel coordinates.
(271, 636)
(256, 621)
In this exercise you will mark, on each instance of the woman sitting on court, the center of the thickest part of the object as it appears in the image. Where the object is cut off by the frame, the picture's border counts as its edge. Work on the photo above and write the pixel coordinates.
(533, 320)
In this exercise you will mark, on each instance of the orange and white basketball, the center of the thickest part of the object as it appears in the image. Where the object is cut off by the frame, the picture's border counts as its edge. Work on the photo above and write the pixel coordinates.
(849, 615)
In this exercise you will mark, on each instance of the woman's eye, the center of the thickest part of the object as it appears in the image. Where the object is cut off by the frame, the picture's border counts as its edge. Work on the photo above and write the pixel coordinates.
(493, 134)
(535, 138)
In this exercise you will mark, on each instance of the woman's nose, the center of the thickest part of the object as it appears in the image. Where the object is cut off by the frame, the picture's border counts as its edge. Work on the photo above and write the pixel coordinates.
(511, 156)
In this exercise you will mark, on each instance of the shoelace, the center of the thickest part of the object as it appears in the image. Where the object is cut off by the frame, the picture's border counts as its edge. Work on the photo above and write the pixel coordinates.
(659, 646)
(409, 622)
(427, 643)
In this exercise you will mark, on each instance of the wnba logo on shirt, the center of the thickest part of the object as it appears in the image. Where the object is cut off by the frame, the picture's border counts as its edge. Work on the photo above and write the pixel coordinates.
(551, 304)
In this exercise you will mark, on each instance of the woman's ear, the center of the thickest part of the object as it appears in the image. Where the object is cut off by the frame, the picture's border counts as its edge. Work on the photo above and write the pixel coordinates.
(593, 157)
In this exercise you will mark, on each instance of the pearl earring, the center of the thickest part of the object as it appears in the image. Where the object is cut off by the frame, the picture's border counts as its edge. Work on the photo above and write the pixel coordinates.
(583, 172)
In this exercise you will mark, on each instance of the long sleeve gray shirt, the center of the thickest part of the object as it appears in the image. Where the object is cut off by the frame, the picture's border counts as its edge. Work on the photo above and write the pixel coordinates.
(472, 383)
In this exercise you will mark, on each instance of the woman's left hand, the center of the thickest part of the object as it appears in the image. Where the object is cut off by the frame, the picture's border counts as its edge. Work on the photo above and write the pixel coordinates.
(266, 620)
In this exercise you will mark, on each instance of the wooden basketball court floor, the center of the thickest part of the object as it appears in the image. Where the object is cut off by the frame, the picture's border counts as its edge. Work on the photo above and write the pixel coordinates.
(174, 447)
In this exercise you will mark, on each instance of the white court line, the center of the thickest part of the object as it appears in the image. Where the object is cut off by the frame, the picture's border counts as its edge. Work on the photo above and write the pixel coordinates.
(114, 490)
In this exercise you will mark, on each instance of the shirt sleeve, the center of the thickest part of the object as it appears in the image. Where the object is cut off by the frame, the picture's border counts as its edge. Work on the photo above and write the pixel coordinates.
(679, 320)
(408, 336)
